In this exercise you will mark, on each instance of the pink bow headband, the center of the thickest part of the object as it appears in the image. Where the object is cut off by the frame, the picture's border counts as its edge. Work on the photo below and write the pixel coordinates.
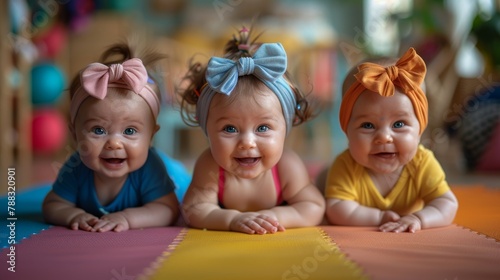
(97, 77)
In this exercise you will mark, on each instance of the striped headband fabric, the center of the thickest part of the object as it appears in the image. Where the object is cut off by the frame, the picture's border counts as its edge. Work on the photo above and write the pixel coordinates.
(268, 64)
(407, 74)
(96, 78)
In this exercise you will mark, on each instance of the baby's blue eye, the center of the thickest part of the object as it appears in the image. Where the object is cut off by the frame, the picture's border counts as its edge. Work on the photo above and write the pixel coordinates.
(99, 130)
(263, 128)
(230, 129)
(399, 124)
(129, 131)
(367, 125)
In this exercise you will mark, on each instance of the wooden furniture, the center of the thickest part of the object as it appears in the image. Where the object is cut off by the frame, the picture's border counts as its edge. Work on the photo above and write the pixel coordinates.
(15, 105)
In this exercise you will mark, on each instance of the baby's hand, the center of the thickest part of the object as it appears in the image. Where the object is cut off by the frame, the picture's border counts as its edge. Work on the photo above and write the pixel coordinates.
(252, 222)
(410, 223)
(114, 221)
(83, 221)
(389, 216)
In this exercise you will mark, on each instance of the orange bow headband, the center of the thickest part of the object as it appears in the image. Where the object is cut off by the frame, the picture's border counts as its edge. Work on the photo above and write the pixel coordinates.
(97, 77)
(407, 74)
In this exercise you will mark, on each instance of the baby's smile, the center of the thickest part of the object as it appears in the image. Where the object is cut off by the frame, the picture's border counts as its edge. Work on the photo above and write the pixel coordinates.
(247, 161)
(385, 155)
(114, 160)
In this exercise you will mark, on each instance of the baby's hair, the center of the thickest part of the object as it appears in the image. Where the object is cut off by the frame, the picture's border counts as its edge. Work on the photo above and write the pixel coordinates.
(123, 51)
(242, 46)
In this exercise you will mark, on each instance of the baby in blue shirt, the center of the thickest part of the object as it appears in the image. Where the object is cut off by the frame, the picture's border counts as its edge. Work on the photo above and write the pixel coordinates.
(115, 181)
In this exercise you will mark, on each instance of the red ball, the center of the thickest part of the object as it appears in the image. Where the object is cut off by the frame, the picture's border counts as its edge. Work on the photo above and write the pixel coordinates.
(51, 43)
(48, 131)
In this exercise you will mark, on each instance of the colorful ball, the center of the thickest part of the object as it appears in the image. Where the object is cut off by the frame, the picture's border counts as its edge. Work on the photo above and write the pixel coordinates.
(47, 84)
(50, 43)
(48, 131)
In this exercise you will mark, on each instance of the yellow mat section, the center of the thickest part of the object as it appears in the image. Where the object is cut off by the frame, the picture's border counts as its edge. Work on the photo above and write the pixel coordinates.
(305, 253)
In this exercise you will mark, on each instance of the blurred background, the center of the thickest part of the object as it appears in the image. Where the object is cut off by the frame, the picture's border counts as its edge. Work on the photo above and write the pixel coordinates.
(44, 43)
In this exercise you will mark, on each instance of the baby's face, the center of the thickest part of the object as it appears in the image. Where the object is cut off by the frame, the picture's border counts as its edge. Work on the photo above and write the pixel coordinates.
(247, 134)
(114, 134)
(383, 132)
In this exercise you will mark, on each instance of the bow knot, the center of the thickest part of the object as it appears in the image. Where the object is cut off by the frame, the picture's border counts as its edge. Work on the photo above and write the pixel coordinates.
(115, 72)
(392, 72)
(96, 77)
(268, 64)
(246, 66)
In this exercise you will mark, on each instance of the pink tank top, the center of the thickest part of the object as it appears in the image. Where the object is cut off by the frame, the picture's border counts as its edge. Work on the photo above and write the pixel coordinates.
(277, 185)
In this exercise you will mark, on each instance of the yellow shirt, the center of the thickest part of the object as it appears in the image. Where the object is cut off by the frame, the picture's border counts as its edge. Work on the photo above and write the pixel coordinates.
(421, 181)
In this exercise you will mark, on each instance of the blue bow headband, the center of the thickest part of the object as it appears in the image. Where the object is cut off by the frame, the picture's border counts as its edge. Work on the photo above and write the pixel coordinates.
(268, 64)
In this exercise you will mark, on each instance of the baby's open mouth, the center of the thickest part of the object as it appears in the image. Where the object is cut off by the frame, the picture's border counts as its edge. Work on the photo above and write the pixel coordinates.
(247, 160)
(386, 155)
(114, 160)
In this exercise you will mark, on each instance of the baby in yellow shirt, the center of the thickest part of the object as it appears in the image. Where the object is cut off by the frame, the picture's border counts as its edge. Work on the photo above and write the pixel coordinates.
(386, 178)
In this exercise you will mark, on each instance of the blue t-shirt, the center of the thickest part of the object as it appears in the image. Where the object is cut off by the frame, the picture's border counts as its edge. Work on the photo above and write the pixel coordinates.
(75, 183)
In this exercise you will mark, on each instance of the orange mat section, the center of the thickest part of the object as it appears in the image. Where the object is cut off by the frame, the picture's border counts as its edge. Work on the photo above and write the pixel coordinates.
(479, 209)
(306, 253)
(441, 253)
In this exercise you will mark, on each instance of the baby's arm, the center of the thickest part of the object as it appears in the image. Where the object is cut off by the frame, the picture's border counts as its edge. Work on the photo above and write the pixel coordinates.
(305, 204)
(202, 211)
(437, 213)
(160, 212)
(59, 211)
(351, 213)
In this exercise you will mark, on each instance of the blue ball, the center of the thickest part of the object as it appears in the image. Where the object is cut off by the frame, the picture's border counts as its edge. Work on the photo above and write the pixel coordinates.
(47, 84)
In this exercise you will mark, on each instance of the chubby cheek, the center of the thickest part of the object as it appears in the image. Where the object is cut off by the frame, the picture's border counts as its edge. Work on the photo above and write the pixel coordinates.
(273, 150)
(408, 148)
(408, 153)
(139, 152)
(359, 150)
(87, 148)
(221, 153)
(138, 161)
(359, 145)
(89, 158)
(357, 154)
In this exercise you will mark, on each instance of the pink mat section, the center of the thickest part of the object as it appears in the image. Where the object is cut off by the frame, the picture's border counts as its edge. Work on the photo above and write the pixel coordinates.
(60, 253)
(449, 252)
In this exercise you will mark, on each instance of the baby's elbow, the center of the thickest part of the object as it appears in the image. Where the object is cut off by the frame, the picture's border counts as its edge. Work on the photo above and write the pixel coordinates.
(320, 205)
(453, 209)
(191, 216)
(317, 211)
(174, 217)
(334, 214)
(47, 213)
(50, 211)
(451, 206)
(447, 208)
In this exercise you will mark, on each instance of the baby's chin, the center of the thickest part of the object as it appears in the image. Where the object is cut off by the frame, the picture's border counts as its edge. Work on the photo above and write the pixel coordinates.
(386, 169)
